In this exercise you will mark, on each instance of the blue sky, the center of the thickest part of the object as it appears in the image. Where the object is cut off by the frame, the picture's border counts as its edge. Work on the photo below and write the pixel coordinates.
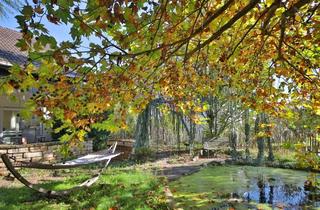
(60, 32)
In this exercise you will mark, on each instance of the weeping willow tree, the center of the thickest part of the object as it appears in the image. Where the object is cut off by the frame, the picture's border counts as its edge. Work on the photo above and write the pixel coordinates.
(161, 127)
(155, 128)
(156, 121)
(176, 119)
(142, 130)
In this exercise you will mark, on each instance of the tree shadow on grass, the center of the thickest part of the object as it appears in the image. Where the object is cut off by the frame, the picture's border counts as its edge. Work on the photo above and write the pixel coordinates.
(120, 191)
(24, 198)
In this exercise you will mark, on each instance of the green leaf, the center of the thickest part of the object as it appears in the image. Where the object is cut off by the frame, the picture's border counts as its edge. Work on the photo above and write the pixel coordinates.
(108, 125)
(27, 11)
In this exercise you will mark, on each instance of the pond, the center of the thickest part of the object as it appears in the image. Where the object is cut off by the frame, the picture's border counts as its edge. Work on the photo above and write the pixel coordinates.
(244, 187)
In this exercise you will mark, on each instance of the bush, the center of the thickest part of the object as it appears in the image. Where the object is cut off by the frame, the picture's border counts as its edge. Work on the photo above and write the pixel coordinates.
(56, 125)
(100, 139)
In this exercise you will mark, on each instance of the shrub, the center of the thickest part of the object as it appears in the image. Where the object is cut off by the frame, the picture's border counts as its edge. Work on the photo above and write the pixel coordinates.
(100, 139)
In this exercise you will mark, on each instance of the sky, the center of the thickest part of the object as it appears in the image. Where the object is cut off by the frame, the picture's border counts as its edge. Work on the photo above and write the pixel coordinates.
(60, 32)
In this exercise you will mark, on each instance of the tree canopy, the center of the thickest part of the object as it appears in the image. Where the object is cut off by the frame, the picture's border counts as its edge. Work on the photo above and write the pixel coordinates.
(125, 53)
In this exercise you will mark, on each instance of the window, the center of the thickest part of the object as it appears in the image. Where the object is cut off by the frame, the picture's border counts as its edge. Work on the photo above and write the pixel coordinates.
(4, 71)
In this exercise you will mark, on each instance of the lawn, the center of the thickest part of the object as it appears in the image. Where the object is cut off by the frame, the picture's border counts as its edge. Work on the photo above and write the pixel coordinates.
(116, 189)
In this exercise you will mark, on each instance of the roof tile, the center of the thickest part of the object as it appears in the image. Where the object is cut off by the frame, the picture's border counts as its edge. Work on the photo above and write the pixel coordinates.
(9, 53)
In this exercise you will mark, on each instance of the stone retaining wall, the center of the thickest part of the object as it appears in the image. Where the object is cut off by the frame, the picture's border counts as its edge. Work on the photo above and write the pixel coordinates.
(40, 152)
(125, 146)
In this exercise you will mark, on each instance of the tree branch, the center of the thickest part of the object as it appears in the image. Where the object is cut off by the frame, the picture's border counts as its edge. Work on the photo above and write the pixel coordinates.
(184, 40)
(217, 34)
(248, 31)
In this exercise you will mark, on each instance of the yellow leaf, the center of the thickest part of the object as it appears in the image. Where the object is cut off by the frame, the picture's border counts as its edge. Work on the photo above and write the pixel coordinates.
(269, 2)
(279, 11)
(297, 18)
(9, 89)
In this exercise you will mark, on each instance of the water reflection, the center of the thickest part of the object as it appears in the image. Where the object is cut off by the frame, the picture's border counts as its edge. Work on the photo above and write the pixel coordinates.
(271, 194)
(262, 193)
(272, 191)
(245, 187)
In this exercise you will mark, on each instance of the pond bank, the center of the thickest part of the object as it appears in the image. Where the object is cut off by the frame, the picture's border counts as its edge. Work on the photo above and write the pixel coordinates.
(177, 170)
(274, 164)
(173, 169)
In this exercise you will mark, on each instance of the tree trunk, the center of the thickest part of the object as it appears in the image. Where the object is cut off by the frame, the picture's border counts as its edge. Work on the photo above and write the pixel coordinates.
(247, 133)
(233, 134)
(260, 140)
(270, 153)
(233, 144)
(269, 140)
(191, 136)
(216, 117)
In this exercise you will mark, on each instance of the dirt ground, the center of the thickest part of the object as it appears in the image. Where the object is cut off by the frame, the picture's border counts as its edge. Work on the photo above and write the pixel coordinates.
(34, 176)
(175, 167)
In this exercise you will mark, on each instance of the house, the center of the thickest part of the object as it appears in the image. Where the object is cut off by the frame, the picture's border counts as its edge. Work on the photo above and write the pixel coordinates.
(26, 140)
(12, 127)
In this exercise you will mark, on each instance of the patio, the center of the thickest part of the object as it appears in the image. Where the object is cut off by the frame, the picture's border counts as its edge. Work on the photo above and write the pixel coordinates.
(14, 129)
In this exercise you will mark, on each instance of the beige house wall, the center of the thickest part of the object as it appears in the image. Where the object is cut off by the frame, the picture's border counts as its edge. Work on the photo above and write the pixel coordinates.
(10, 120)
(15, 102)
(9, 108)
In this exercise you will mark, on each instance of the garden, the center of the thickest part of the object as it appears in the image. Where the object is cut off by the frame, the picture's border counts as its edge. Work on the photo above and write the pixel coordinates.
(159, 104)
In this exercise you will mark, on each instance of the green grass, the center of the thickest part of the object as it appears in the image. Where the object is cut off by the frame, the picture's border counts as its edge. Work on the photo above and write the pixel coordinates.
(281, 155)
(116, 189)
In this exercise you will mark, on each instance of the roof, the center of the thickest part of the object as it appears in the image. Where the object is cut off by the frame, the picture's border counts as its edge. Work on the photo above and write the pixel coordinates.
(9, 53)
